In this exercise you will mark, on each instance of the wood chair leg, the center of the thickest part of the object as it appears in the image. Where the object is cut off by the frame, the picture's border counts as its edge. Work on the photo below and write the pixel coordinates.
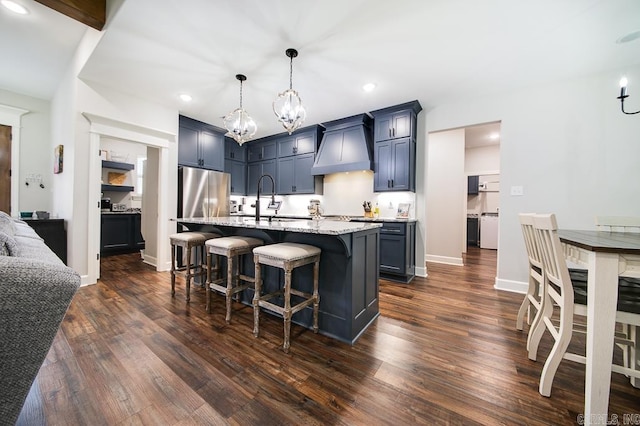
(524, 308)
(173, 270)
(538, 327)
(557, 352)
(316, 295)
(229, 291)
(188, 276)
(208, 282)
(287, 310)
(256, 299)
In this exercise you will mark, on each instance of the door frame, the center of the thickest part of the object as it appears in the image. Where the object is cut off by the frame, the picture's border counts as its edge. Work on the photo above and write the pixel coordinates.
(12, 116)
(107, 127)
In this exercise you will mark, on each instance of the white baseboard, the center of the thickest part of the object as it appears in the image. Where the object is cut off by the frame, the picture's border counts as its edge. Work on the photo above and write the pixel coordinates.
(512, 286)
(457, 261)
(421, 272)
(84, 281)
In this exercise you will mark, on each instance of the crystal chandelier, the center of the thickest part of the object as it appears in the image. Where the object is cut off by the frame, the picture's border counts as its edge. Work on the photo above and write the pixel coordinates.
(240, 126)
(288, 105)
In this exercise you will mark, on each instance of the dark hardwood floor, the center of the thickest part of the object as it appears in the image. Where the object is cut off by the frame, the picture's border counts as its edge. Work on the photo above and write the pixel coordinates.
(444, 351)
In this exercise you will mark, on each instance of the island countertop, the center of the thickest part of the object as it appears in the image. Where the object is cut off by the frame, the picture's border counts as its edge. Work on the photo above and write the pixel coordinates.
(311, 226)
(349, 267)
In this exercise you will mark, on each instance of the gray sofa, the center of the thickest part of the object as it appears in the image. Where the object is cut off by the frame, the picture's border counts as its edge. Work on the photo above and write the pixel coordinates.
(36, 289)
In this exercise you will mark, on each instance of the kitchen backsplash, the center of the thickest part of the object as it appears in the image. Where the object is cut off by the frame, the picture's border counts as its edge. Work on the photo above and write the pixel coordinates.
(344, 194)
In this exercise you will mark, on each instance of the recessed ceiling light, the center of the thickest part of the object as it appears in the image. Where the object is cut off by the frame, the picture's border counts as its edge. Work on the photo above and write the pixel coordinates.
(15, 7)
(185, 98)
(629, 37)
(369, 87)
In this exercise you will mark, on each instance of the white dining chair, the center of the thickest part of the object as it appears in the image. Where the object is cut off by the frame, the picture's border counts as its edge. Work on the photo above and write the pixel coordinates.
(631, 353)
(533, 297)
(558, 292)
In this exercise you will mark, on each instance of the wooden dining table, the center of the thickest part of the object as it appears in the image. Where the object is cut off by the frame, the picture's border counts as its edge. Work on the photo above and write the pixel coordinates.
(606, 255)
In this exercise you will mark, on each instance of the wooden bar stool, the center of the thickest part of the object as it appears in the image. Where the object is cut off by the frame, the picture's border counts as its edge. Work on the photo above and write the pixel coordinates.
(232, 248)
(287, 256)
(188, 241)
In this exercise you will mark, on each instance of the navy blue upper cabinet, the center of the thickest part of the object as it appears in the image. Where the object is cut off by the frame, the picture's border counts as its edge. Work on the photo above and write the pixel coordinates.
(265, 149)
(298, 143)
(238, 172)
(200, 144)
(395, 147)
(233, 151)
(294, 176)
(257, 169)
(394, 125)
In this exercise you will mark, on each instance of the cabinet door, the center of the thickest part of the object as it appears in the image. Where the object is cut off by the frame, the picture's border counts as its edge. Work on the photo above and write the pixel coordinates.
(401, 124)
(188, 153)
(472, 185)
(401, 165)
(392, 253)
(237, 170)
(286, 175)
(138, 239)
(304, 181)
(382, 127)
(233, 151)
(382, 166)
(212, 150)
(116, 232)
(254, 171)
(305, 143)
(287, 146)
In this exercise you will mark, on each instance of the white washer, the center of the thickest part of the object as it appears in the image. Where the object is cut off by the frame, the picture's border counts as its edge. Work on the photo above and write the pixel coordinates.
(489, 230)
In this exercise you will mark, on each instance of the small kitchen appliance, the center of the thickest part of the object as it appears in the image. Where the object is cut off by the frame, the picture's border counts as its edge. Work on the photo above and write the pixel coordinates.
(314, 208)
(105, 204)
(118, 207)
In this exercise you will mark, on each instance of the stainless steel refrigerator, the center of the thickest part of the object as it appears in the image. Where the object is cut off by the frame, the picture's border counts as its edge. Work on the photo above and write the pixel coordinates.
(203, 193)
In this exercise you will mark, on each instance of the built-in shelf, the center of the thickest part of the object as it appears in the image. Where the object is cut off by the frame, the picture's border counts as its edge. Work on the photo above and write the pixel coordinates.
(117, 165)
(117, 188)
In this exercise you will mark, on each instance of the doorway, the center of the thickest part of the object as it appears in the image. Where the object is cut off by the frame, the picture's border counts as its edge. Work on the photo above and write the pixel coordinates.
(5, 169)
(156, 215)
(453, 156)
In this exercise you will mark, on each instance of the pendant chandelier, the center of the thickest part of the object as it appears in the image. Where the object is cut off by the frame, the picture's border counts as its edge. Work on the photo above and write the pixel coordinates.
(288, 105)
(240, 126)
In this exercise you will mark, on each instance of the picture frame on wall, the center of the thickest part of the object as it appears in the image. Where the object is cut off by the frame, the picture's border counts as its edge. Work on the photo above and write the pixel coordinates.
(58, 159)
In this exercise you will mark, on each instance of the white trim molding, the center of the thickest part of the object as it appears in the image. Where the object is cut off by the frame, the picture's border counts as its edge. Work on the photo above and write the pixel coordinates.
(510, 285)
(12, 116)
(457, 261)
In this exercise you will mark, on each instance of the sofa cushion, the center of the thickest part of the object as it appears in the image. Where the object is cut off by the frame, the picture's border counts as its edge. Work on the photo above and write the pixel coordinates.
(8, 246)
(7, 224)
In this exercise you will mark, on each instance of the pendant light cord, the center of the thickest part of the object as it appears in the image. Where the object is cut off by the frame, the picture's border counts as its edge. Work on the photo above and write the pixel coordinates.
(291, 72)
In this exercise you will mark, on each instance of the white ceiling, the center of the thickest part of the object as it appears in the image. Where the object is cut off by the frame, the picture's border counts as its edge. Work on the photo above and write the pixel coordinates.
(431, 50)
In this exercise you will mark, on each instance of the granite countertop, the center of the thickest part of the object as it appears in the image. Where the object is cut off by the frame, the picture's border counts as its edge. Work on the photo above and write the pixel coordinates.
(340, 218)
(322, 226)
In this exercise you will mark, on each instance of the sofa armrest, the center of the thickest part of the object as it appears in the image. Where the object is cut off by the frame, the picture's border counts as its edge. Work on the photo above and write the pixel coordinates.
(34, 297)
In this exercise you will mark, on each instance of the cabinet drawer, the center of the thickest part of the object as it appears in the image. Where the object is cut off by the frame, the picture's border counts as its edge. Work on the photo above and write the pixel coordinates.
(393, 228)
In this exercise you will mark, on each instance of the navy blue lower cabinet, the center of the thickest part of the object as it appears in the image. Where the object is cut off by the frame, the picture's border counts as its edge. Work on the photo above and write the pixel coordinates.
(397, 251)
(348, 281)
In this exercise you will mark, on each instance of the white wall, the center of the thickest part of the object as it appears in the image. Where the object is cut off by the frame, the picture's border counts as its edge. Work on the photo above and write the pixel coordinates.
(568, 145)
(35, 157)
(482, 160)
(445, 197)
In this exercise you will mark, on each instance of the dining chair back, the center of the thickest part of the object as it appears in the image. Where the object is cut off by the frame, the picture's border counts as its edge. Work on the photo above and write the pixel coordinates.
(557, 291)
(533, 297)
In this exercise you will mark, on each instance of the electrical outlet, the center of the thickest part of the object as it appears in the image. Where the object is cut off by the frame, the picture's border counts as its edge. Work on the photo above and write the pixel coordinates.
(517, 191)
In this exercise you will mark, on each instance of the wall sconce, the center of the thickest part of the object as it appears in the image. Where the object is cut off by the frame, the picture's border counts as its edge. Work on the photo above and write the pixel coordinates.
(623, 95)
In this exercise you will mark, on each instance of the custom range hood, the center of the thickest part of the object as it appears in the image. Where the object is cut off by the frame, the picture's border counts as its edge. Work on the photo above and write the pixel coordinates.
(345, 147)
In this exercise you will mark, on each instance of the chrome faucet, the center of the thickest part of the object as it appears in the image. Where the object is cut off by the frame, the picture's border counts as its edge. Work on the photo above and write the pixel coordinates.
(273, 194)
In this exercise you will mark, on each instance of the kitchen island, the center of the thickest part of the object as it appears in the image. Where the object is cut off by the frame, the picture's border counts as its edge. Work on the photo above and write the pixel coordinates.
(348, 282)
